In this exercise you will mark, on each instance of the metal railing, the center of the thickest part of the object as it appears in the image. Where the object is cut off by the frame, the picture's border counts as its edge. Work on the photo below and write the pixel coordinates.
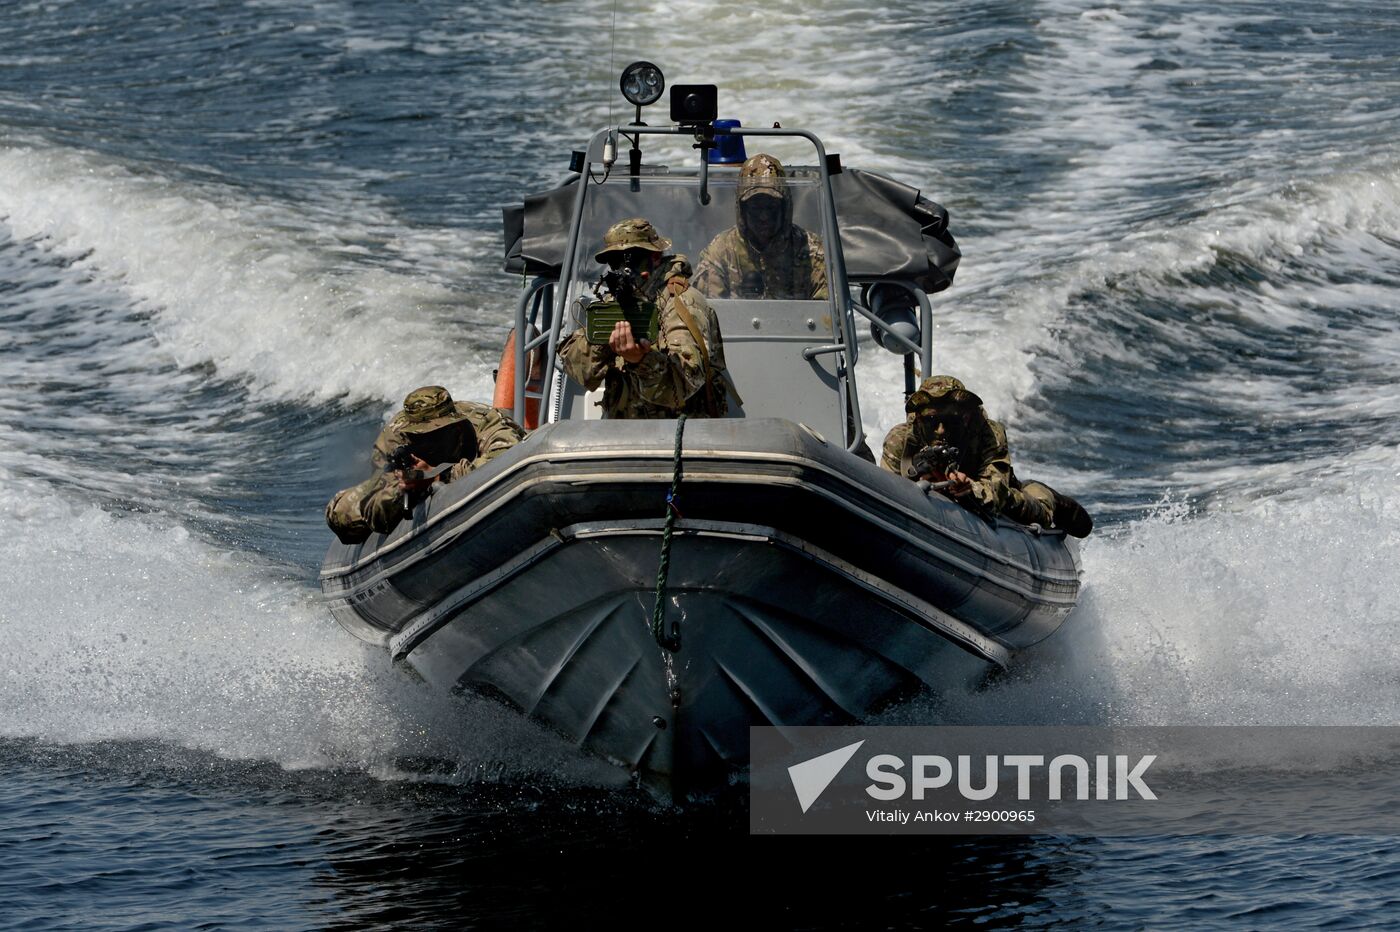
(842, 306)
(539, 299)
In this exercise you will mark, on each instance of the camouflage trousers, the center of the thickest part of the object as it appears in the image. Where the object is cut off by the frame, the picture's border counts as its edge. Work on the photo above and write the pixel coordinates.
(375, 506)
(1030, 503)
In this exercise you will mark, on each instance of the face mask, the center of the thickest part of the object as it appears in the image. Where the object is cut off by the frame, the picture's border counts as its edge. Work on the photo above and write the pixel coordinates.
(926, 425)
(638, 260)
(446, 444)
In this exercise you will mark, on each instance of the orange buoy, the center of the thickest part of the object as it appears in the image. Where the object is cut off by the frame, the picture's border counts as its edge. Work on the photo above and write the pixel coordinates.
(505, 380)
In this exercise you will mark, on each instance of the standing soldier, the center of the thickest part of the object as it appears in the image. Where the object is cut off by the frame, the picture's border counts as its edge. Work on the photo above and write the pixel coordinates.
(684, 372)
(765, 255)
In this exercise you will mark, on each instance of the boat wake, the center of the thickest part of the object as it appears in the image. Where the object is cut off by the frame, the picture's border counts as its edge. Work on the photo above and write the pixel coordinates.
(1280, 612)
(129, 628)
(303, 301)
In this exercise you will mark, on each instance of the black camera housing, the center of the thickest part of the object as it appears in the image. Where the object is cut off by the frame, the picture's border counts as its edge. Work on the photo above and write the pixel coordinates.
(694, 104)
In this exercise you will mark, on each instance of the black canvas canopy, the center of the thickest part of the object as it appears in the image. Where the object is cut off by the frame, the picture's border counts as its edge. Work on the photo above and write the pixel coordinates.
(888, 231)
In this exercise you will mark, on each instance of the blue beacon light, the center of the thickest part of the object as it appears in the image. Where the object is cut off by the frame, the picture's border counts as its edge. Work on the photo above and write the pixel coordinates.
(728, 150)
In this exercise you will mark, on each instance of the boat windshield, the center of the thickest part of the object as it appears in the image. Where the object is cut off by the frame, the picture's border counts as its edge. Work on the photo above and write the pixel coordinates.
(750, 242)
(764, 276)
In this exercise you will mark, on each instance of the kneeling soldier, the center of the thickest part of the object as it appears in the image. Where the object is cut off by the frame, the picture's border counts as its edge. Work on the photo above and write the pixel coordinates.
(433, 439)
(945, 417)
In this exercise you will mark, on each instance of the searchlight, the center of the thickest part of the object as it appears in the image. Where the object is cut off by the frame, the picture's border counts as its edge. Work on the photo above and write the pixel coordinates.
(642, 83)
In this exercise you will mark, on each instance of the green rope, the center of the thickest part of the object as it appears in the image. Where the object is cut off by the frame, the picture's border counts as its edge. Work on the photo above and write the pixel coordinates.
(658, 615)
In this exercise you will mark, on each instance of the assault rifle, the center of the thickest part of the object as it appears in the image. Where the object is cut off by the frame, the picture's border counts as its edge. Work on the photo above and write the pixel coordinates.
(618, 297)
(935, 459)
(402, 460)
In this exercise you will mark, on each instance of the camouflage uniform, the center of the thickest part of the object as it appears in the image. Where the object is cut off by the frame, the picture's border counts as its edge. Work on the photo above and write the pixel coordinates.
(671, 378)
(790, 265)
(347, 513)
(982, 453)
(428, 408)
(378, 504)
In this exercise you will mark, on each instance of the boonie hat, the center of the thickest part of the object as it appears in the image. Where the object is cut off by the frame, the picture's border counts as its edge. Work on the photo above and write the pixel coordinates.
(632, 233)
(428, 408)
(939, 390)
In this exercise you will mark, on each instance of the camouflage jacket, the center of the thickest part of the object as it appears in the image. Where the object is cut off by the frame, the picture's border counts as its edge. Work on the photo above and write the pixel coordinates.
(984, 456)
(792, 266)
(670, 379)
(374, 506)
(377, 505)
(495, 433)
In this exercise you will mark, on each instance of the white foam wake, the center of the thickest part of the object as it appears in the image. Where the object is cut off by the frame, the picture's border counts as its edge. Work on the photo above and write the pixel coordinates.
(132, 629)
(302, 303)
(1275, 612)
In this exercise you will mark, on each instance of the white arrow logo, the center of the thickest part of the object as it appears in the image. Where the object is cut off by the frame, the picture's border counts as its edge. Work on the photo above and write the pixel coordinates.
(811, 777)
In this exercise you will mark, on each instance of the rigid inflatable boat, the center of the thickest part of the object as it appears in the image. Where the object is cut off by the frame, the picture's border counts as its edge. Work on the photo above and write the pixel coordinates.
(803, 584)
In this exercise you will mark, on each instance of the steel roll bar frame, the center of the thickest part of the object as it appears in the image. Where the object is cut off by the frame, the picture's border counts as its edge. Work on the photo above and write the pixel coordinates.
(843, 310)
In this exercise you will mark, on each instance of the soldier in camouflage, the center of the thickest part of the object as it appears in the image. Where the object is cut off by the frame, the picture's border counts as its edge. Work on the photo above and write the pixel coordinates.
(765, 255)
(463, 433)
(684, 373)
(944, 411)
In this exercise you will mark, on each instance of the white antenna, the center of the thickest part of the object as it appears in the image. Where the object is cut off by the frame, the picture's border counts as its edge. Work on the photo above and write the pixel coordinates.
(611, 71)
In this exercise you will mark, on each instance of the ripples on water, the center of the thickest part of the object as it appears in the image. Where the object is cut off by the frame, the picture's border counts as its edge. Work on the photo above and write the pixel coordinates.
(322, 849)
(233, 236)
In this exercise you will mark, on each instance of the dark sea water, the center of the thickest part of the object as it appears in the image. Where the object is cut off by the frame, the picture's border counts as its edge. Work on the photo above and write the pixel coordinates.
(234, 234)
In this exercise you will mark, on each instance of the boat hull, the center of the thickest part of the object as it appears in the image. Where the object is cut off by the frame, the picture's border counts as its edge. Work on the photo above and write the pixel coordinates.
(807, 586)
